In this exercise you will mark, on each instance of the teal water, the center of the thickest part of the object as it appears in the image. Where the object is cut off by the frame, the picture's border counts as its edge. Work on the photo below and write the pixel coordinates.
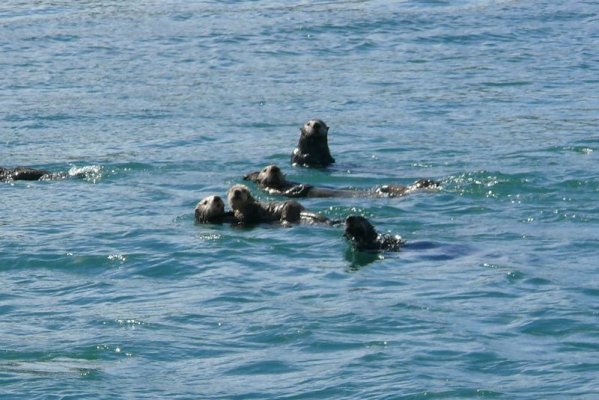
(109, 289)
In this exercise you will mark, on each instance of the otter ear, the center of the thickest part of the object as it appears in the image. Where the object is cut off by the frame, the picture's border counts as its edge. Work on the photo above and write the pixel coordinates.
(252, 176)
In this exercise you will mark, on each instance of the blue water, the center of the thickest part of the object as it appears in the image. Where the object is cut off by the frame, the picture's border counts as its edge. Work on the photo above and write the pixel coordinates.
(109, 289)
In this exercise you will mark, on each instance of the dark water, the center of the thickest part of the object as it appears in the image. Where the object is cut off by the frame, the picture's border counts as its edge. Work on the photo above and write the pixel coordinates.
(109, 290)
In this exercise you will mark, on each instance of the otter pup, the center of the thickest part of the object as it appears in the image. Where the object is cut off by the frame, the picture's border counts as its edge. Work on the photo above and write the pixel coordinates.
(272, 179)
(362, 235)
(211, 209)
(249, 211)
(313, 147)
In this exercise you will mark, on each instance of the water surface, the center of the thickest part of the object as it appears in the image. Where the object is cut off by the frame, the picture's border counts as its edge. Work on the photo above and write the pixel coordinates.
(111, 291)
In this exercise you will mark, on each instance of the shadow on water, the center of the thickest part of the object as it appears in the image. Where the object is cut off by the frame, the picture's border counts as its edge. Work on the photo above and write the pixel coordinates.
(411, 251)
(436, 251)
(360, 259)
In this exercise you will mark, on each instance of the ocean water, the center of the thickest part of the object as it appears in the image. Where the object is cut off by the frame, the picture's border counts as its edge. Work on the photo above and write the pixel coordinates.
(109, 289)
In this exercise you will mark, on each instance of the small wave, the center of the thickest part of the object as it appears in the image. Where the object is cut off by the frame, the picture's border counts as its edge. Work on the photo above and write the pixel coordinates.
(487, 184)
(90, 173)
(586, 150)
(57, 367)
(96, 172)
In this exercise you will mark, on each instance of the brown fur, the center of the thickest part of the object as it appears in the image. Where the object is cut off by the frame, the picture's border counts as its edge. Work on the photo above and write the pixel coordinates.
(272, 179)
(211, 209)
(249, 211)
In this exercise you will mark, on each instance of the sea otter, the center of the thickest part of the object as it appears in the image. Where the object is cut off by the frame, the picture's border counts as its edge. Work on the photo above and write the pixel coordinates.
(249, 211)
(272, 179)
(28, 174)
(362, 235)
(211, 209)
(34, 174)
(313, 147)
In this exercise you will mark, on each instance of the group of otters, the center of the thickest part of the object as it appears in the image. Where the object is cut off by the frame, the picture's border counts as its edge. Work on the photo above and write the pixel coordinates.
(312, 151)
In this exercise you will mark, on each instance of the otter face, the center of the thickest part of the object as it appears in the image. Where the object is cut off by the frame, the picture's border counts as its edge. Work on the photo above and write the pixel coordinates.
(360, 232)
(316, 128)
(313, 147)
(239, 196)
(209, 208)
(271, 177)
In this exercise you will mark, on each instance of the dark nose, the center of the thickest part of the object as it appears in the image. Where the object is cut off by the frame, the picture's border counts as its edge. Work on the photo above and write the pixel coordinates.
(218, 200)
(275, 169)
(237, 194)
(317, 125)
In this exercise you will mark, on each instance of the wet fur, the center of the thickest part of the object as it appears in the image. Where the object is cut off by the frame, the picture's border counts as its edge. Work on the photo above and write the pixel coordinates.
(272, 179)
(211, 210)
(29, 174)
(313, 146)
(249, 211)
(362, 235)
(22, 174)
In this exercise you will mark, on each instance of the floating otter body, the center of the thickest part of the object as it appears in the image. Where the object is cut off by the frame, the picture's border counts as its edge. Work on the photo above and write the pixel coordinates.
(362, 235)
(249, 211)
(272, 179)
(29, 174)
(21, 174)
(313, 146)
(211, 210)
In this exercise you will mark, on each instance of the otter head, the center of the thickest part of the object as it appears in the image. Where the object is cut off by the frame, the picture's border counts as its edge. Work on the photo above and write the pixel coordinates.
(209, 209)
(315, 128)
(239, 196)
(313, 146)
(271, 176)
(360, 232)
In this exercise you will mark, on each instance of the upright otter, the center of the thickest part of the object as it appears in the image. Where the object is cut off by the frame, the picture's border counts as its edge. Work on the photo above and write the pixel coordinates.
(360, 232)
(313, 146)
(272, 179)
(211, 209)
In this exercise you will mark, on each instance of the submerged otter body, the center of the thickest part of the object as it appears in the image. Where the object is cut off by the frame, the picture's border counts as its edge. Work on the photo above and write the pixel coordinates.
(272, 179)
(22, 174)
(313, 146)
(29, 174)
(362, 235)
